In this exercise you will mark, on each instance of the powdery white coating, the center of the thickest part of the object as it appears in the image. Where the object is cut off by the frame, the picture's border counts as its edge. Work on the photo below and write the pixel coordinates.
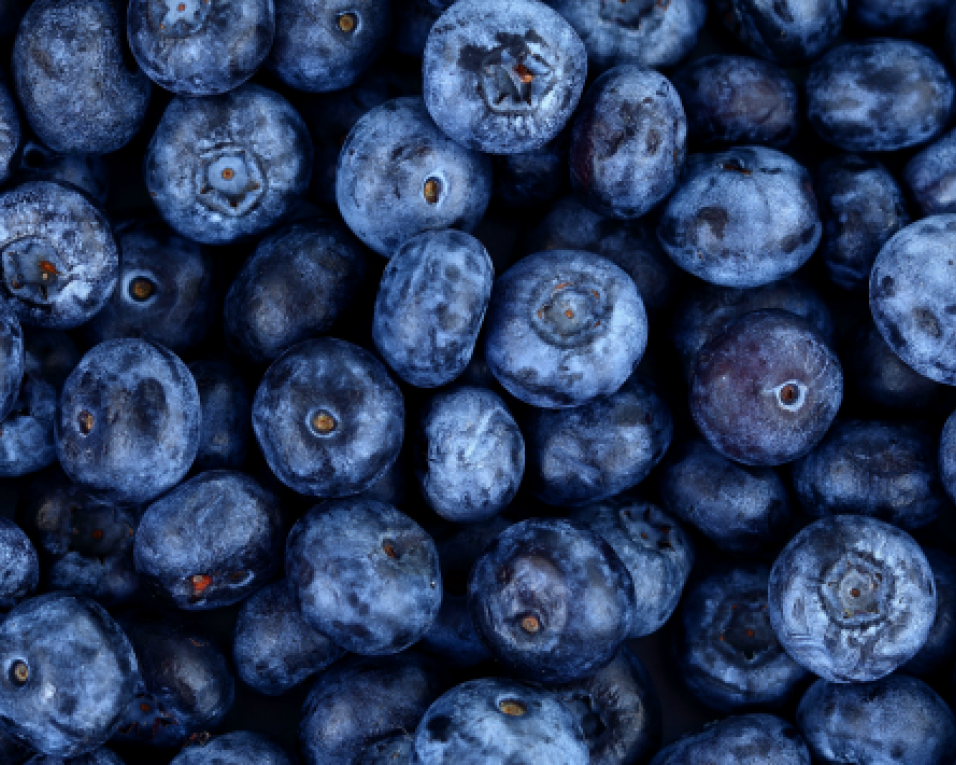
(236, 748)
(930, 176)
(19, 565)
(564, 327)
(386, 161)
(27, 441)
(755, 739)
(12, 362)
(502, 76)
(10, 133)
(741, 218)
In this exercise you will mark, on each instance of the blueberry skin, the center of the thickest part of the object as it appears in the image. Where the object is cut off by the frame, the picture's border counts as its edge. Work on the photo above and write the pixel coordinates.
(947, 456)
(71, 644)
(295, 286)
(499, 720)
(591, 452)
(19, 565)
(473, 455)
(930, 176)
(552, 600)
(412, 22)
(940, 647)
(204, 49)
(49, 354)
(362, 702)
(226, 168)
(757, 739)
(15, 753)
(99, 757)
(900, 19)
(75, 85)
(430, 305)
(10, 134)
(766, 389)
(210, 542)
(879, 95)
(11, 358)
(127, 429)
(545, 357)
(532, 178)
(898, 719)
(398, 175)
(655, 549)
(274, 648)
(88, 172)
(911, 292)
(738, 99)
(862, 206)
(60, 258)
(226, 415)
(629, 142)
(502, 76)
(27, 442)
(852, 598)
(741, 218)
(452, 638)
(328, 418)
(235, 748)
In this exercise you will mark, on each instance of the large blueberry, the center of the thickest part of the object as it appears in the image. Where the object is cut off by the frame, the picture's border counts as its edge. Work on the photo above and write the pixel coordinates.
(10, 134)
(11, 358)
(19, 565)
(236, 748)
(786, 31)
(939, 649)
(757, 739)
(88, 172)
(930, 176)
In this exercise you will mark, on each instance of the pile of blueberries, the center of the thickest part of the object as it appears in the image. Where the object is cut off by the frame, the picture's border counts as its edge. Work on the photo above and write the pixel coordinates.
(490, 382)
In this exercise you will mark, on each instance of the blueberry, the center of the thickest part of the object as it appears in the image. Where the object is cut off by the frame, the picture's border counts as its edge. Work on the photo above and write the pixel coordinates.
(328, 418)
(27, 441)
(236, 748)
(940, 647)
(11, 358)
(398, 175)
(228, 167)
(88, 172)
(210, 542)
(19, 565)
(59, 261)
(69, 673)
(200, 48)
(452, 637)
(929, 176)
(757, 739)
(898, 719)
(128, 422)
(891, 17)
(592, 452)
(564, 327)
(49, 354)
(879, 95)
(499, 720)
(766, 389)
(472, 455)
(532, 178)
(741, 218)
(10, 134)
(413, 21)
(79, 88)
(852, 598)
(552, 601)
(102, 756)
(226, 414)
(502, 76)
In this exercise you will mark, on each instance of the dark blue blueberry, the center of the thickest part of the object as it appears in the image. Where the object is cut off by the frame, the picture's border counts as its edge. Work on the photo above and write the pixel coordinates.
(68, 674)
(499, 720)
(900, 19)
(766, 389)
(88, 172)
(398, 175)
(452, 638)
(879, 95)
(12, 752)
(852, 598)
(552, 601)
(532, 178)
(210, 542)
(757, 739)
(228, 167)
(430, 305)
(11, 358)
(226, 413)
(27, 442)
(49, 354)
(930, 176)
(78, 86)
(564, 327)
(59, 260)
(236, 748)
(939, 649)
(413, 20)
(328, 418)
(10, 134)
(101, 756)
(365, 575)
(898, 719)
(19, 565)
(502, 76)
(741, 218)
(947, 456)
(128, 422)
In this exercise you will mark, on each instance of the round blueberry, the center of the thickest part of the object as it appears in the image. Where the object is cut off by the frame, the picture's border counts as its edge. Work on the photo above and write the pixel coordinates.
(235, 748)
(19, 565)
(225, 413)
(930, 177)
(757, 739)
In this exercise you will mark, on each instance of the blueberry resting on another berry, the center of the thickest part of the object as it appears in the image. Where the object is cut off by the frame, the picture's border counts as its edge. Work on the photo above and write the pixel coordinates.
(88, 172)
(930, 176)
(757, 739)
(939, 649)
(11, 358)
(19, 565)
(10, 134)
(236, 748)
(226, 415)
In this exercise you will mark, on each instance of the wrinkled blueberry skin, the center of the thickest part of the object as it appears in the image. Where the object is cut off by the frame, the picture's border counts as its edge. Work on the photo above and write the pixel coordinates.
(473, 455)
(11, 358)
(862, 206)
(88, 172)
(852, 598)
(236, 748)
(430, 305)
(226, 414)
(200, 50)
(900, 19)
(532, 178)
(472, 84)
(655, 549)
(398, 175)
(738, 99)
(940, 646)
(47, 223)
(10, 134)
(99, 757)
(334, 384)
(757, 739)
(879, 95)
(71, 644)
(364, 701)
(552, 601)
(930, 176)
(127, 429)
(741, 218)
(766, 389)
(591, 452)
(412, 22)
(211, 542)
(19, 565)
(226, 168)
(499, 720)
(274, 649)
(365, 575)
(898, 719)
(545, 357)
